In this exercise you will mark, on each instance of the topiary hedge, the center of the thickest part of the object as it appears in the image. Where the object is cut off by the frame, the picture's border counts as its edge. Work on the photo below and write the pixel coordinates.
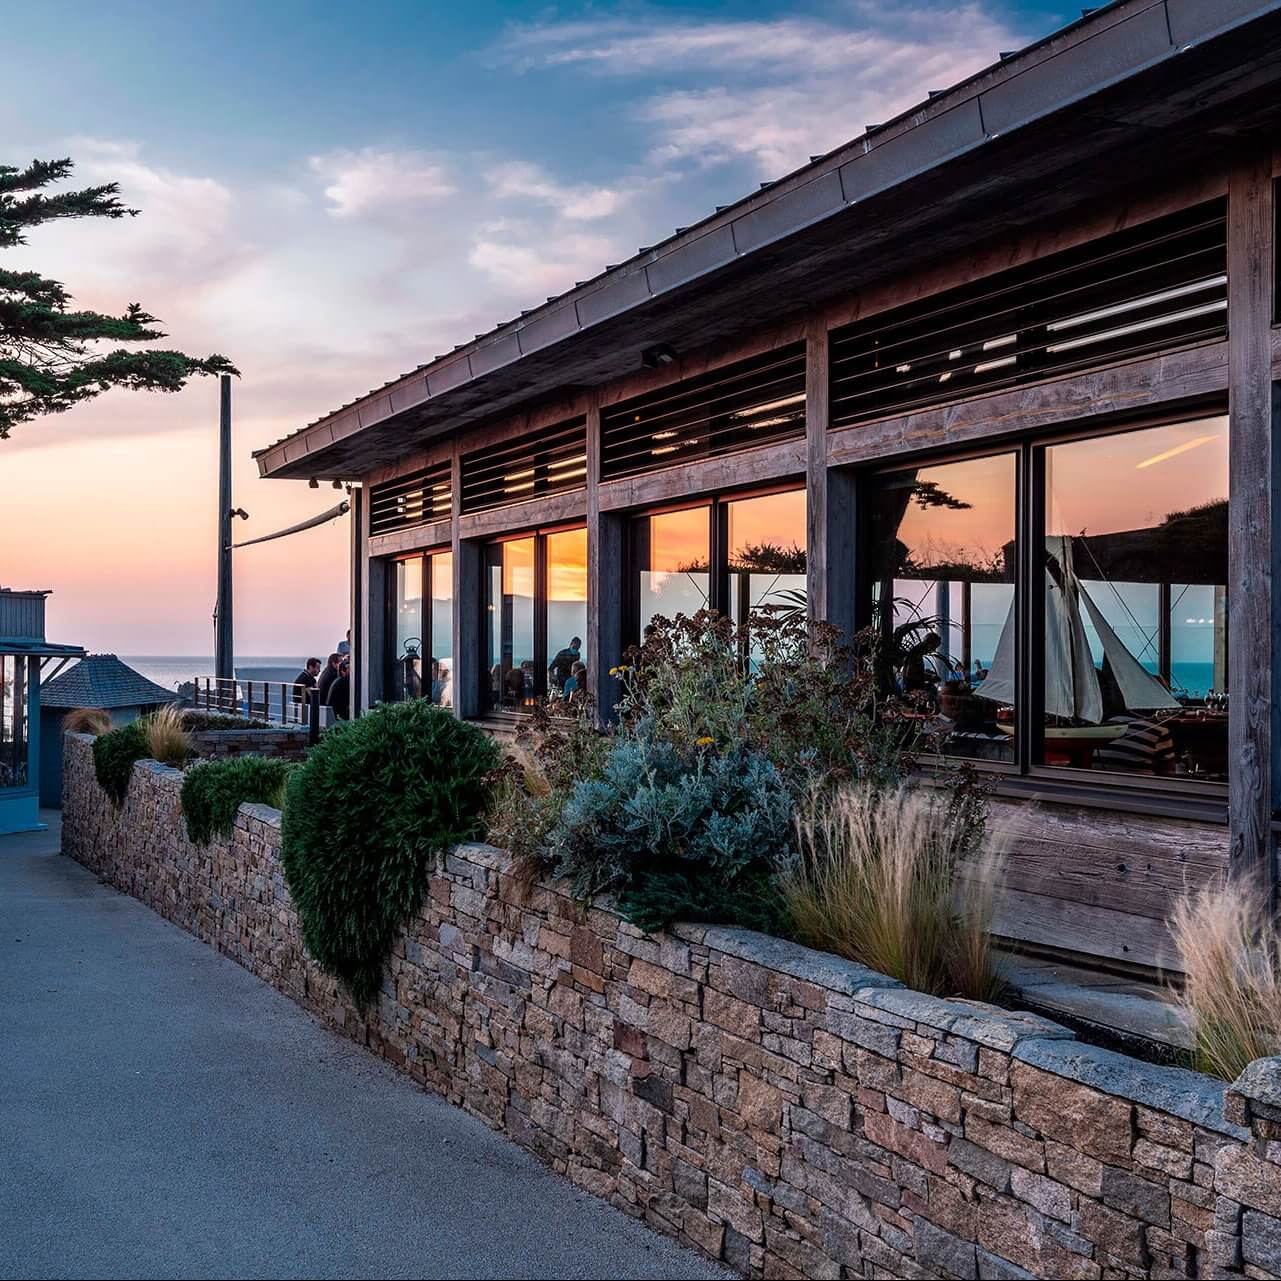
(113, 756)
(365, 816)
(213, 791)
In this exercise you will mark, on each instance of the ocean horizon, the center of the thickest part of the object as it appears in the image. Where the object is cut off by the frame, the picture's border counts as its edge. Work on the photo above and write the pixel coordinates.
(171, 670)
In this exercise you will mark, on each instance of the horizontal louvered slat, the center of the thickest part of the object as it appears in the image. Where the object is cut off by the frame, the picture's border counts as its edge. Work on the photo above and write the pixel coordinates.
(1159, 286)
(553, 461)
(753, 402)
(408, 501)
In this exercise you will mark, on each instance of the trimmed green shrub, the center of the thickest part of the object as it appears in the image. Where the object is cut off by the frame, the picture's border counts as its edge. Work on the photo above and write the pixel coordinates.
(113, 756)
(365, 816)
(691, 834)
(213, 791)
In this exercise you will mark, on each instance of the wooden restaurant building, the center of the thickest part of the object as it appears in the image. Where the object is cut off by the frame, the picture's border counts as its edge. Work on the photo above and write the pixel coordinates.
(1003, 368)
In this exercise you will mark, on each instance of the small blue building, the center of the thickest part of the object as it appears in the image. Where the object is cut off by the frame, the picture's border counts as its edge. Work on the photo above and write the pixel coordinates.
(100, 681)
(24, 652)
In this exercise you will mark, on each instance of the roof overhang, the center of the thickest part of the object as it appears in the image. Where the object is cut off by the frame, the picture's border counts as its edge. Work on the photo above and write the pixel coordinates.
(1148, 86)
(40, 649)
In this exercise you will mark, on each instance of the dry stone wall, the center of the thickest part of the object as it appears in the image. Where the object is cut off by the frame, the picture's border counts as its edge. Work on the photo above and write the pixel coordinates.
(791, 1113)
(290, 743)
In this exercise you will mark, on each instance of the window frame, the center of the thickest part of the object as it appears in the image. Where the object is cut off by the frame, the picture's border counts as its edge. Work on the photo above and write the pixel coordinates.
(1028, 774)
(424, 556)
(718, 568)
(539, 535)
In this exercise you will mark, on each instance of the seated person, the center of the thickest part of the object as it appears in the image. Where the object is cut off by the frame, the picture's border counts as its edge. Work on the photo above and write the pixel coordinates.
(575, 683)
(514, 687)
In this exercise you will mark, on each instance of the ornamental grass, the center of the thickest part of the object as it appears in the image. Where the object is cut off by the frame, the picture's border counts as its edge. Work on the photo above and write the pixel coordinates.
(168, 739)
(899, 881)
(1230, 953)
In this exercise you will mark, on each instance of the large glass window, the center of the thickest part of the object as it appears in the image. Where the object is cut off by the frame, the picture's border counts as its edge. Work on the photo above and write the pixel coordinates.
(673, 553)
(766, 538)
(566, 614)
(420, 651)
(441, 665)
(942, 548)
(536, 602)
(735, 555)
(510, 603)
(13, 721)
(1135, 632)
(1123, 642)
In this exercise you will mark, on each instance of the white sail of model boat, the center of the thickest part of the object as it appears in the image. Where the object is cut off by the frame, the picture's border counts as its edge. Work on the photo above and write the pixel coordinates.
(1071, 679)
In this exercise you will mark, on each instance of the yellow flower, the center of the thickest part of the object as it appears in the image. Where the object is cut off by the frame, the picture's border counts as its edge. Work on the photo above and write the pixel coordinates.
(706, 741)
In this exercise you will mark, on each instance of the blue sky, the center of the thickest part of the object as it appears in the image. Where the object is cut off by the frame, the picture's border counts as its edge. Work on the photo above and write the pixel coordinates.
(333, 194)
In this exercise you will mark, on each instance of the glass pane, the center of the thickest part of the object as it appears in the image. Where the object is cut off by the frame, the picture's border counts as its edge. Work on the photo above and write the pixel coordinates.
(442, 629)
(1136, 564)
(943, 558)
(566, 613)
(13, 721)
(511, 624)
(407, 641)
(766, 556)
(673, 559)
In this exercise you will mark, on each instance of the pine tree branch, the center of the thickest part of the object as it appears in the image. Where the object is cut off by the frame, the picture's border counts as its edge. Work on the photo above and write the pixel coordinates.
(49, 360)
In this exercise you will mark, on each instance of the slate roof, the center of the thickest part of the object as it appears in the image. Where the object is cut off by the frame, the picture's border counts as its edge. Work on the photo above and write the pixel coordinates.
(102, 680)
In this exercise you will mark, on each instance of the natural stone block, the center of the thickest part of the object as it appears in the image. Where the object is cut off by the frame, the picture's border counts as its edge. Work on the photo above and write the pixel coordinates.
(1079, 1116)
(730, 1013)
(759, 1103)
(1239, 1174)
(1138, 1196)
(1006, 1142)
(1114, 1233)
(888, 1133)
(1261, 1240)
(937, 1248)
(726, 1205)
(1067, 1165)
(1041, 1193)
(979, 1164)
(1169, 1161)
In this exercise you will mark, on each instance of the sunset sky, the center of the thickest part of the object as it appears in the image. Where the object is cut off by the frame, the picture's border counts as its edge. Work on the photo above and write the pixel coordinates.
(334, 194)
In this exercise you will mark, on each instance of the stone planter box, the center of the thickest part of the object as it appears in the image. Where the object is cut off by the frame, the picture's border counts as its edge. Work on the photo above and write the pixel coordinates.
(781, 1109)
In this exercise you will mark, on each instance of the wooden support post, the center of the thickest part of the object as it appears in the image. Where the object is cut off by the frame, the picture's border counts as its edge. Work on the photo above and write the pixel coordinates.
(469, 635)
(605, 586)
(830, 571)
(1252, 543)
(369, 638)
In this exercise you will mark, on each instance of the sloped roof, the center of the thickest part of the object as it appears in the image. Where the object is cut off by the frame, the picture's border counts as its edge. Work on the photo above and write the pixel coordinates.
(1003, 126)
(102, 680)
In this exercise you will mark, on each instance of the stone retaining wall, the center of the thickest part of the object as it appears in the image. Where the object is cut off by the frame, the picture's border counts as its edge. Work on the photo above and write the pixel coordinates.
(291, 743)
(789, 1112)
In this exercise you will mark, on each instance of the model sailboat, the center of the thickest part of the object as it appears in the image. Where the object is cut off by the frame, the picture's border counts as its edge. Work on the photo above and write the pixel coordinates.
(1072, 689)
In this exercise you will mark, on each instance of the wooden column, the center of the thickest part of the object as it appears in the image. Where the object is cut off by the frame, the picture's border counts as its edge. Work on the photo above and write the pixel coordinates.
(829, 500)
(605, 534)
(468, 629)
(368, 614)
(1252, 544)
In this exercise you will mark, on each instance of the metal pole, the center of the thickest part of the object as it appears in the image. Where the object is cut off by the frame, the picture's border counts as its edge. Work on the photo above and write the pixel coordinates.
(224, 661)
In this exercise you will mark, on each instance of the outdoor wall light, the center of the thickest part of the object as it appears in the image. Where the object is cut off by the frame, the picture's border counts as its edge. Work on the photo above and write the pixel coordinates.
(313, 483)
(658, 356)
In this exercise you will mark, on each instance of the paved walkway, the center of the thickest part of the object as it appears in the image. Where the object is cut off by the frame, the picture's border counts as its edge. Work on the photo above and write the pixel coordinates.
(165, 1114)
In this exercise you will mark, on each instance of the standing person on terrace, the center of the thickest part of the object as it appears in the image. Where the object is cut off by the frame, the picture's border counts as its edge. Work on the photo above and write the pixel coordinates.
(340, 692)
(306, 679)
(327, 678)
